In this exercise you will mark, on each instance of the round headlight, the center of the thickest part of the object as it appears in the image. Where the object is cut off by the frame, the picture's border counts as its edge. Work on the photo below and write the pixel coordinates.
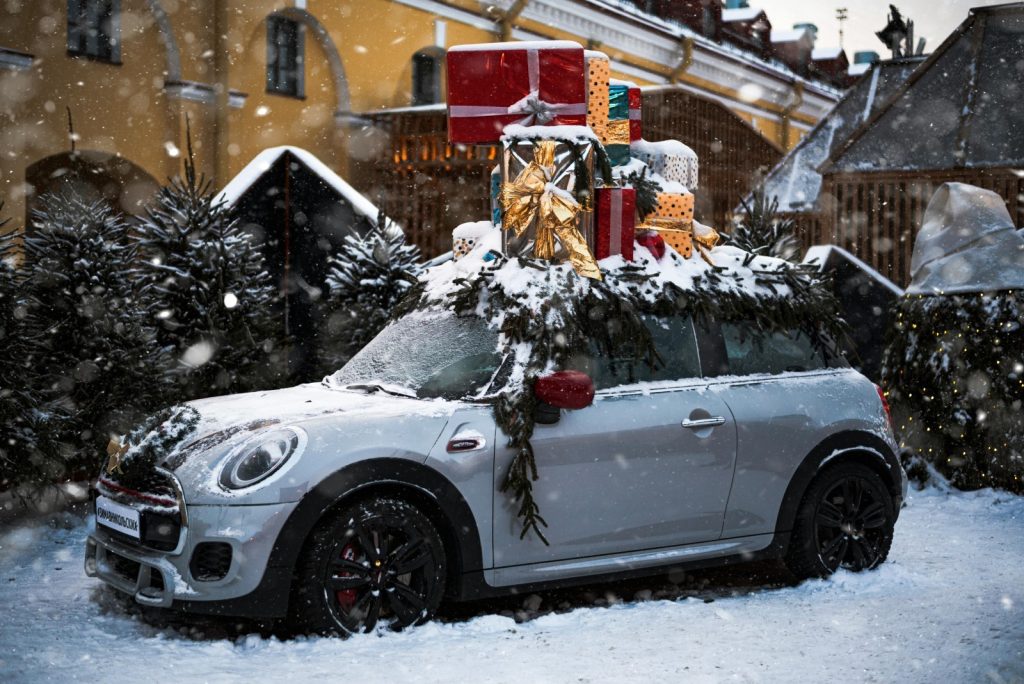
(260, 458)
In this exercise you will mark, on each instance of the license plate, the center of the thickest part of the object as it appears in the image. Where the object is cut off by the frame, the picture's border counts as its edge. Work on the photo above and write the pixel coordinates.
(111, 514)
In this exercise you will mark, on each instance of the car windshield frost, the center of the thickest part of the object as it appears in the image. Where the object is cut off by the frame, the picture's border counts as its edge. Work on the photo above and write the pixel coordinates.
(428, 354)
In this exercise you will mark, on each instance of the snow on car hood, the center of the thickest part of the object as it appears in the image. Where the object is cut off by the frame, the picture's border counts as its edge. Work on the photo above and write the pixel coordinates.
(234, 416)
(342, 425)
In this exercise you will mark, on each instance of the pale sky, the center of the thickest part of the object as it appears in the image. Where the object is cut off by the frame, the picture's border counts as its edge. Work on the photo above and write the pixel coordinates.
(933, 19)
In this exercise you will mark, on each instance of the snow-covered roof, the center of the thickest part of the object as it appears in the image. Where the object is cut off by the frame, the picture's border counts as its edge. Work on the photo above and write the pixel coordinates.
(795, 180)
(820, 255)
(741, 14)
(789, 35)
(262, 162)
(677, 29)
(859, 69)
(826, 53)
(961, 108)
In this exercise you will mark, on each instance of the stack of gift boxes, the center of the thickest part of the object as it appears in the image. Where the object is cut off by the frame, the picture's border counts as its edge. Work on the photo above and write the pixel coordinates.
(560, 120)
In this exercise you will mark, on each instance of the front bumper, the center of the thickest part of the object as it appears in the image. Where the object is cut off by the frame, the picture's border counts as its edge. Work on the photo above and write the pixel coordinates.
(164, 578)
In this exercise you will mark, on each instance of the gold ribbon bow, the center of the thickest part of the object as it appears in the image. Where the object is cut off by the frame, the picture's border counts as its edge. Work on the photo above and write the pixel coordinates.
(704, 242)
(115, 453)
(531, 197)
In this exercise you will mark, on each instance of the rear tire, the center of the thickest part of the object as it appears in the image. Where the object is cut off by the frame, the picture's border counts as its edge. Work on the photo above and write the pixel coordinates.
(845, 520)
(376, 561)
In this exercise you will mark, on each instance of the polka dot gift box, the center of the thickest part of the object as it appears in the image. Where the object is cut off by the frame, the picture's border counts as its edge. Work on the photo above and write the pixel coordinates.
(670, 159)
(467, 236)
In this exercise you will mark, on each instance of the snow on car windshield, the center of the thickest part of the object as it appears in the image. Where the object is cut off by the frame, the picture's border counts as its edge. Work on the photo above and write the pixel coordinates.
(432, 354)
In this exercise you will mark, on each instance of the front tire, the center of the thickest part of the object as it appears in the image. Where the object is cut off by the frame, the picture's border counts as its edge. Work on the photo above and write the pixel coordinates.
(845, 520)
(376, 561)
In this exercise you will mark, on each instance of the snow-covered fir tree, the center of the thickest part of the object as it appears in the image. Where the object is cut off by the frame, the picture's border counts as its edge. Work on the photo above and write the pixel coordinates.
(208, 291)
(366, 279)
(18, 403)
(762, 231)
(94, 353)
(954, 368)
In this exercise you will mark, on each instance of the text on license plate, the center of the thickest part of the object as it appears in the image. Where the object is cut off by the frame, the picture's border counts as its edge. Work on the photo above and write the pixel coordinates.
(111, 514)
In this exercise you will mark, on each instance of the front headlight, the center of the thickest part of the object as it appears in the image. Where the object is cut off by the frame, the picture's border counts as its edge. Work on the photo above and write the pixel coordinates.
(261, 457)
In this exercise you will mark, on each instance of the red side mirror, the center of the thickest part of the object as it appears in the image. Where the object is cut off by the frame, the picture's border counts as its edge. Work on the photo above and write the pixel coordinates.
(565, 389)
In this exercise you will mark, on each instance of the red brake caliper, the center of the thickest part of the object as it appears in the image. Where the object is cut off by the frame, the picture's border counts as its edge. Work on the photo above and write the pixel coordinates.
(347, 597)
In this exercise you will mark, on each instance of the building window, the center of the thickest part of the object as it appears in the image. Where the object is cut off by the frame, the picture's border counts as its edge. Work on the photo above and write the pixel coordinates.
(94, 29)
(286, 57)
(427, 83)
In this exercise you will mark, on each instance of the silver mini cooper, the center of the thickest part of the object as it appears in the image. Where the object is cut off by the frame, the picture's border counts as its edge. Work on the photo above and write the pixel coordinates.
(371, 497)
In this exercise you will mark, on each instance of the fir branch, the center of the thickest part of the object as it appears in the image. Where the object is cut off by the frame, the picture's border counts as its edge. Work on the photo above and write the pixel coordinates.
(647, 191)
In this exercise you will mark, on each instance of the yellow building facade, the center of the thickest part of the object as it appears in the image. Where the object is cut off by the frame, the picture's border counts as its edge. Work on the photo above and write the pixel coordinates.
(209, 62)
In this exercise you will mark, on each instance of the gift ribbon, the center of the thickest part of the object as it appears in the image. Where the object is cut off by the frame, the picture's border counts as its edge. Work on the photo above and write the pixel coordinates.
(704, 243)
(615, 224)
(532, 198)
(537, 111)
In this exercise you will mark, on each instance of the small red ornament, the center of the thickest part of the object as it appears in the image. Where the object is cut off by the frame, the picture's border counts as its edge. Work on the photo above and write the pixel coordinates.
(654, 243)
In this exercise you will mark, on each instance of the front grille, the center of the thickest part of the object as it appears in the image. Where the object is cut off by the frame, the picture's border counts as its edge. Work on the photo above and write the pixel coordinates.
(210, 561)
(157, 531)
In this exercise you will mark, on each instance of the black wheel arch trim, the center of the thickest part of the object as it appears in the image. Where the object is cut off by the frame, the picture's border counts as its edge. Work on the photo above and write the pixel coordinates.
(864, 447)
(270, 598)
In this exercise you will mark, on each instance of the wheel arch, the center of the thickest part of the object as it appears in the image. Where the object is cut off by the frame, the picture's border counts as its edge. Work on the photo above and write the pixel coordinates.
(410, 481)
(844, 447)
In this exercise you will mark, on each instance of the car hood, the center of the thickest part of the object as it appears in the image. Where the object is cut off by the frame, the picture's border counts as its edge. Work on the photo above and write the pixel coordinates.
(342, 426)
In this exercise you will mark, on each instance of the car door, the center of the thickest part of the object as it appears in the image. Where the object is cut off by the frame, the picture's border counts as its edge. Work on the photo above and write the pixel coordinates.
(782, 393)
(648, 465)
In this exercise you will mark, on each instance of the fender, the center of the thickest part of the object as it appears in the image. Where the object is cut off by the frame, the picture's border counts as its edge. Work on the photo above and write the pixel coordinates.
(864, 446)
(270, 598)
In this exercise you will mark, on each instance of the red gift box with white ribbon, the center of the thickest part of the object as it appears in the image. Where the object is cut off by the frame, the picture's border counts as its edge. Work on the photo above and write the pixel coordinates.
(492, 85)
(616, 222)
(636, 101)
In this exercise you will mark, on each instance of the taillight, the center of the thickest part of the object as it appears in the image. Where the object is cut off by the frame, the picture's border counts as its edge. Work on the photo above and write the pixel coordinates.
(885, 404)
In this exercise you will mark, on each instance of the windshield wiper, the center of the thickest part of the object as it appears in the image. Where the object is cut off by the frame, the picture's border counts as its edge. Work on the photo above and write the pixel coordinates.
(370, 388)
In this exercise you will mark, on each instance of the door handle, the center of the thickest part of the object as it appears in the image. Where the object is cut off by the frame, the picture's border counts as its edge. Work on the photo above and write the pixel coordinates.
(701, 423)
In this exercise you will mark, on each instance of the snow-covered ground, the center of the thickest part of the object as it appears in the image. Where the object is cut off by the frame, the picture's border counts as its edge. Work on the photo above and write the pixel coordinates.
(949, 606)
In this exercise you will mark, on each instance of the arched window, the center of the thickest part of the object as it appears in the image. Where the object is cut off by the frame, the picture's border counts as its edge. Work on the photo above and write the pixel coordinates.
(93, 175)
(428, 76)
(286, 57)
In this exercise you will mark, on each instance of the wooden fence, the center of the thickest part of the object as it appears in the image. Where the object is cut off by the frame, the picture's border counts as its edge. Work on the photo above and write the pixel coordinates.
(733, 156)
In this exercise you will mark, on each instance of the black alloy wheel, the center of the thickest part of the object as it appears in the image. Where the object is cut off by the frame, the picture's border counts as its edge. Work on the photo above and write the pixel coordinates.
(849, 526)
(845, 521)
(380, 561)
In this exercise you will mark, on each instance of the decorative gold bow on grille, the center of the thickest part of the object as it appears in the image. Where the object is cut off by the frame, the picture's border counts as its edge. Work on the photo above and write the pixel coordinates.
(115, 453)
(531, 197)
(704, 240)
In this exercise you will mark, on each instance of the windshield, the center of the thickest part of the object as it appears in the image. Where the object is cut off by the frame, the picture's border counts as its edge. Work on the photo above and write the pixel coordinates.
(429, 354)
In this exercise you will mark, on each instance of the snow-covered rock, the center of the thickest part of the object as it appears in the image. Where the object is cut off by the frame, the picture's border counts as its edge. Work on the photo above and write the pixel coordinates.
(968, 243)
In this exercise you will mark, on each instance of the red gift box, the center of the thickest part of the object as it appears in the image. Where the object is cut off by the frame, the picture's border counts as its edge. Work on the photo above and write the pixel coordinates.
(616, 222)
(492, 85)
(636, 101)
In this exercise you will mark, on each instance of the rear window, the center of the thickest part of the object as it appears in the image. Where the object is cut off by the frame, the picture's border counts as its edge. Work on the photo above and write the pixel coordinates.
(673, 338)
(750, 353)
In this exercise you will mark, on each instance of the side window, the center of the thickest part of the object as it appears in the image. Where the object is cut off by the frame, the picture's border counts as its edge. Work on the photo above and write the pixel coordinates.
(94, 29)
(750, 352)
(285, 57)
(673, 338)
